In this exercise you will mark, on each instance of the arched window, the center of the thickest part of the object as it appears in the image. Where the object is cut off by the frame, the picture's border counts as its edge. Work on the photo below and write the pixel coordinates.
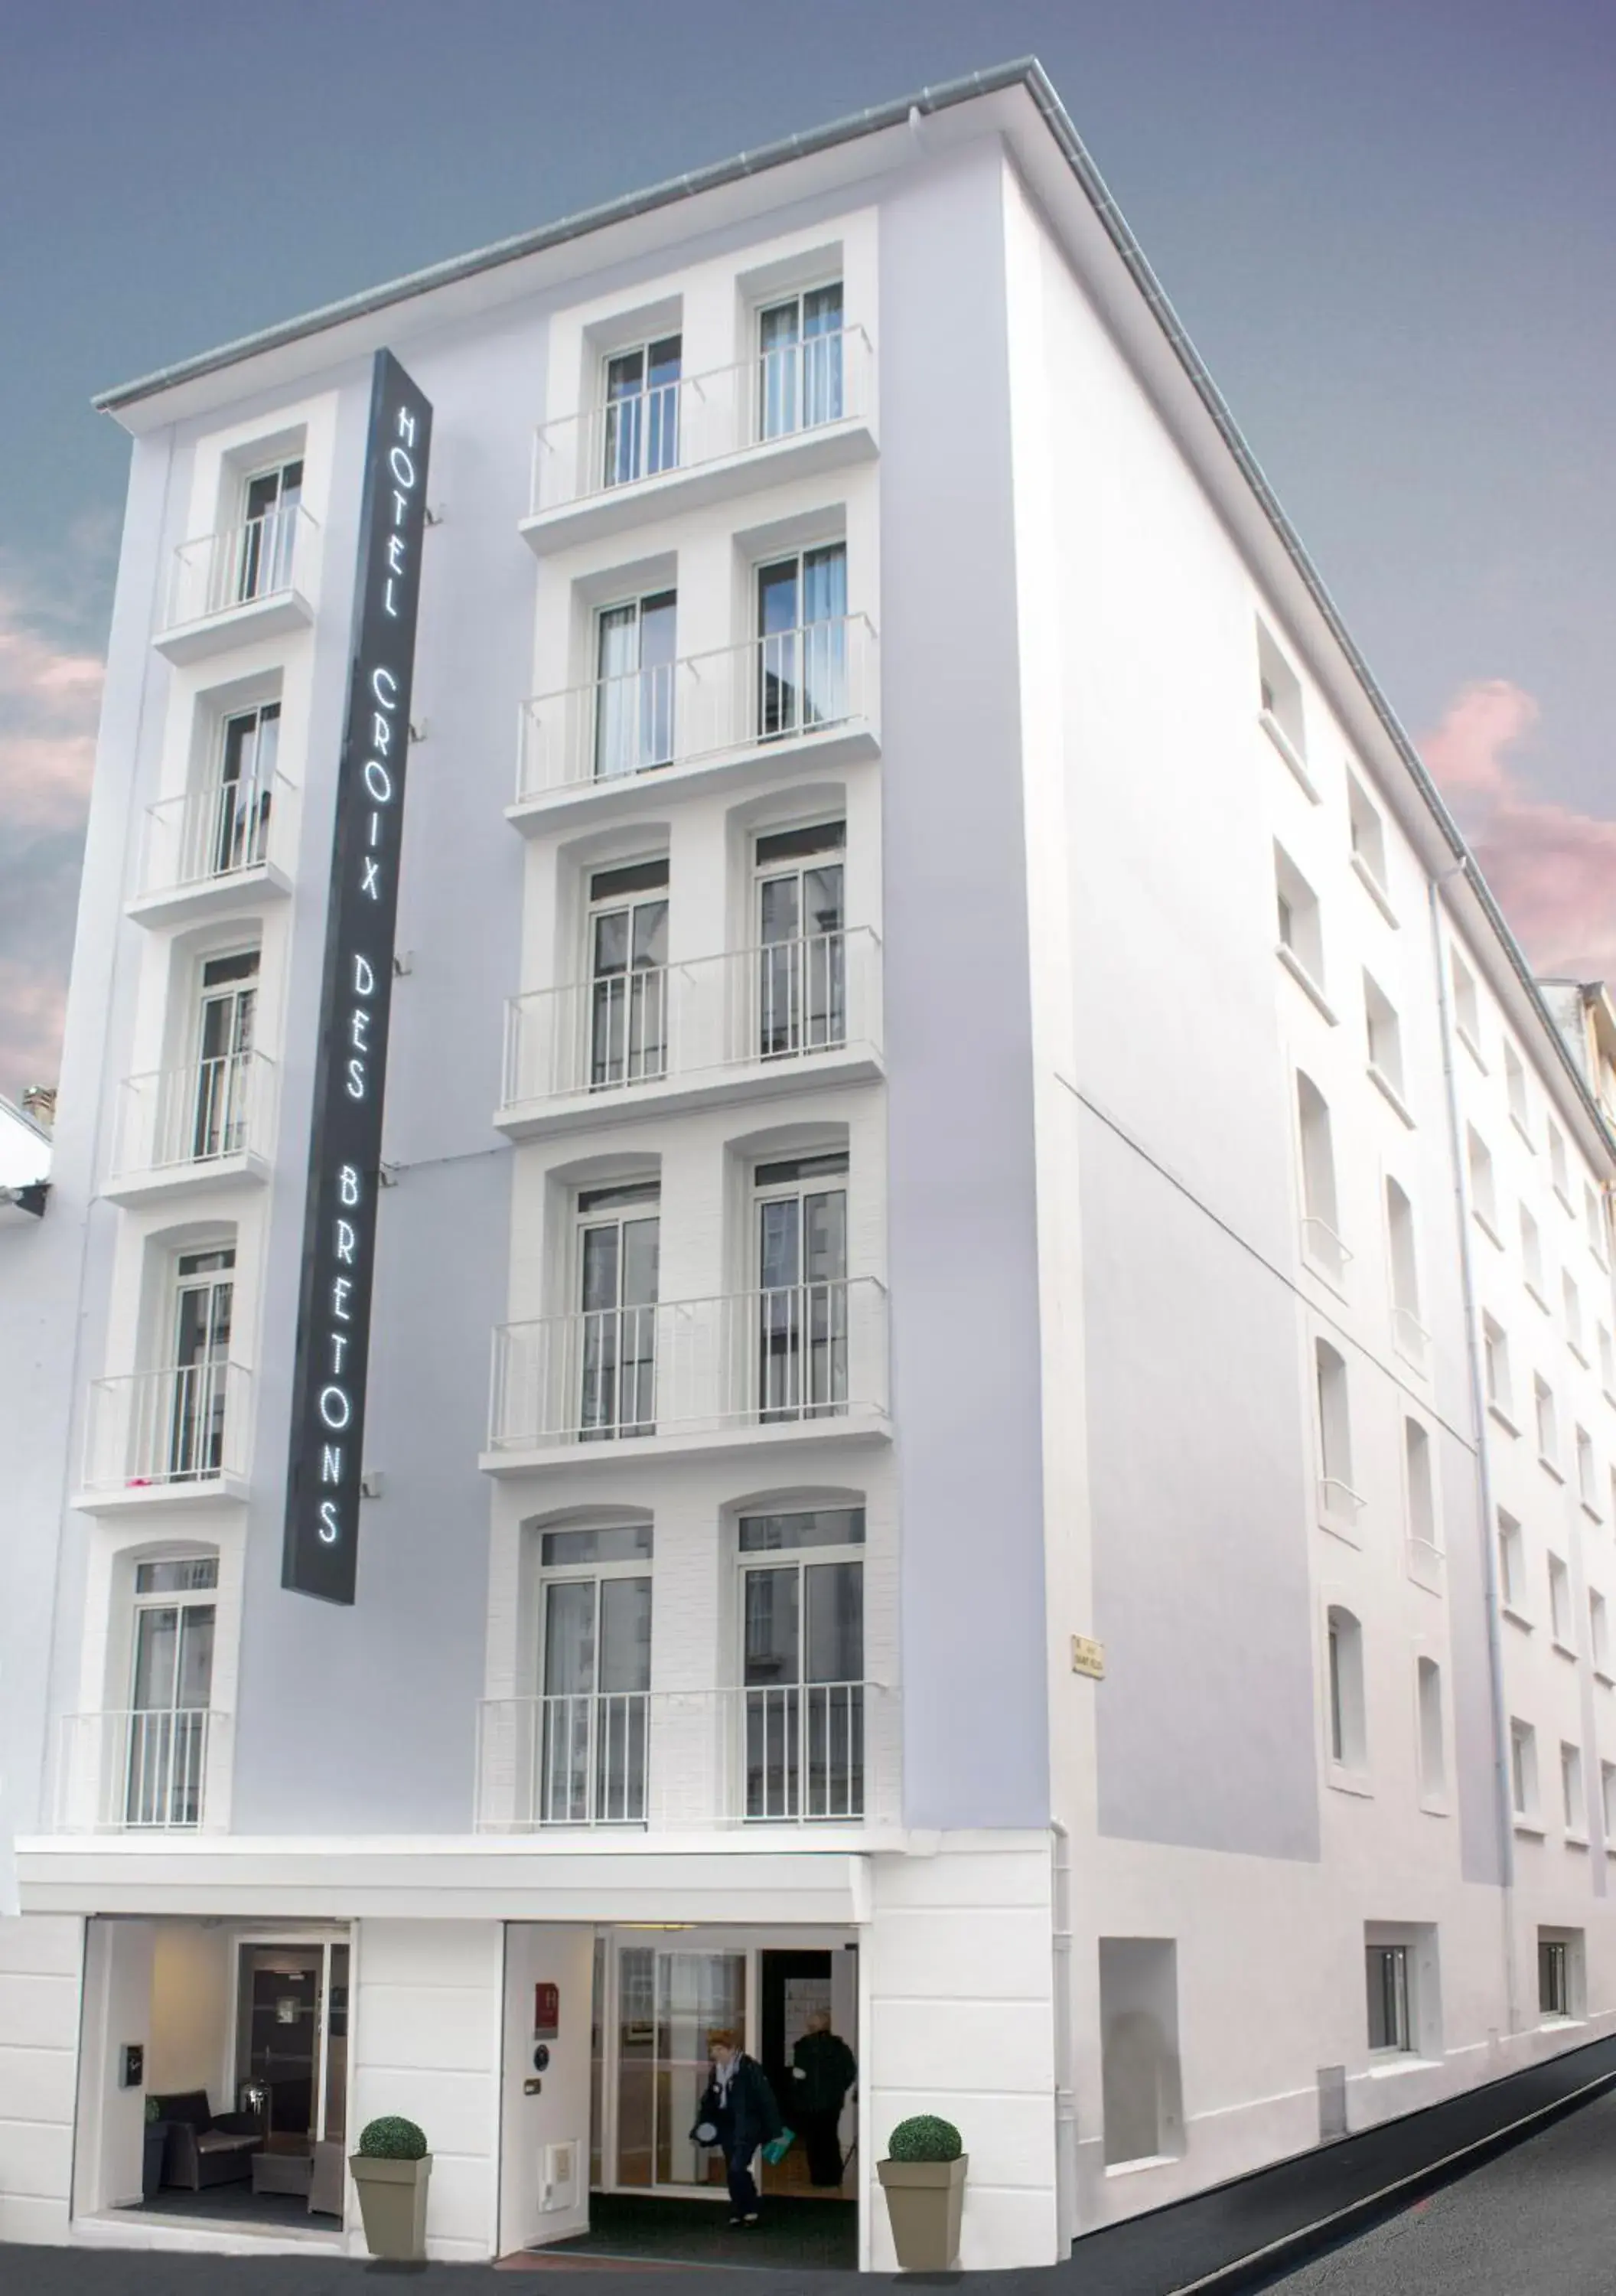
(1344, 1641)
(1320, 1218)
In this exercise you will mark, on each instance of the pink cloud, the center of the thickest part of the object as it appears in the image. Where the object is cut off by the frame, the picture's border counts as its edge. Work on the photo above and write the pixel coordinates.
(33, 997)
(1553, 870)
(50, 695)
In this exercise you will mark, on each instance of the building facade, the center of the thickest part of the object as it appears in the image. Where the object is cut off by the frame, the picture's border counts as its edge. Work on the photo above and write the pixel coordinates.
(991, 1403)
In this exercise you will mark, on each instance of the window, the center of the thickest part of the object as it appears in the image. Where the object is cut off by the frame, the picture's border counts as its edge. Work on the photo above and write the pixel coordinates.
(214, 1110)
(1523, 1771)
(231, 828)
(1385, 1037)
(1558, 1171)
(1434, 1762)
(628, 955)
(1531, 1256)
(801, 1228)
(1554, 1965)
(1369, 836)
(594, 1675)
(800, 378)
(1572, 1300)
(1408, 1331)
(1279, 693)
(1607, 1361)
(1514, 1086)
(1390, 2027)
(1607, 1793)
(1466, 1004)
(1594, 1221)
(1512, 1564)
(1344, 1687)
(618, 1231)
(1585, 1471)
(192, 1414)
(1599, 1632)
(1338, 1502)
(273, 500)
(1421, 1483)
(1483, 1193)
(171, 1684)
(803, 1663)
(641, 426)
(1319, 1238)
(1560, 1602)
(802, 632)
(1494, 1355)
(1301, 927)
(1548, 1432)
(1573, 1805)
(635, 674)
(801, 982)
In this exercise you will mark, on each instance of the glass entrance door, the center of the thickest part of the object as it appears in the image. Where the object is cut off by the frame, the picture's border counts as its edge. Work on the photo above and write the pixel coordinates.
(291, 2041)
(668, 2000)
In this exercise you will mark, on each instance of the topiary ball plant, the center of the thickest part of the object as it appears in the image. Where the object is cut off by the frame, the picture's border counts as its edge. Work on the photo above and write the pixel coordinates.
(392, 2139)
(925, 2138)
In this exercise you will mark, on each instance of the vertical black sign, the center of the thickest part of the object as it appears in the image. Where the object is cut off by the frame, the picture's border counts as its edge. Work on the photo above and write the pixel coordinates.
(345, 1144)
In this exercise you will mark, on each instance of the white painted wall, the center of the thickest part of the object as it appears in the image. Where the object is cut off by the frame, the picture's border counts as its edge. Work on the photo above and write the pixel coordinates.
(40, 1964)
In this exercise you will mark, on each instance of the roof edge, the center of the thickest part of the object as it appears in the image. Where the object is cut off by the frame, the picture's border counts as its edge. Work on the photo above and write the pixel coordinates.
(1023, 70)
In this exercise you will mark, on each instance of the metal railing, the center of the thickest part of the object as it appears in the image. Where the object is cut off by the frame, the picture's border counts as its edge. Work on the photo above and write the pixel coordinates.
(194, 1115)
(263, 558)
(805, 680)
(1322, 1245)
(1410, 1336)
(142, 1771)
(210, 833)
(802, 1351)
(701, 418)
(775, 1002)
(774, 1754)
(1339, 1500)
(182, 1425)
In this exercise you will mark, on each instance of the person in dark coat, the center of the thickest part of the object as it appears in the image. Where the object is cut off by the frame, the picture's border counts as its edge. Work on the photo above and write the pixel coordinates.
(739, 2109)
(823, 2069)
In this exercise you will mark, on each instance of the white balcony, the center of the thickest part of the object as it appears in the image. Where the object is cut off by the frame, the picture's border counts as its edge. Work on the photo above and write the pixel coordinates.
(748, 1367)
(746, 1025)
(1410, 1338)
(770, 698)
(206, 1126)
(157, 1771)
(797, 1754)
(792, 410)
(217, 851)
(1324, 1251)
(246, 582)
(176, 1437)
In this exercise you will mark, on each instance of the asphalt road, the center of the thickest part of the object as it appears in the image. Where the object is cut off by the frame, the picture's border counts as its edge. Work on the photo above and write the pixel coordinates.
(1538, 2220)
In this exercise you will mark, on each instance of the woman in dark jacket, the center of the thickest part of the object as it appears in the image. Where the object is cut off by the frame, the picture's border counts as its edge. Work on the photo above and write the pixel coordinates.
(737, 2112)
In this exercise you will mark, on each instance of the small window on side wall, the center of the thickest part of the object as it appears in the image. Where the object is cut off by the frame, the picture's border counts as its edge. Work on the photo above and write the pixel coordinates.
(1279, 694)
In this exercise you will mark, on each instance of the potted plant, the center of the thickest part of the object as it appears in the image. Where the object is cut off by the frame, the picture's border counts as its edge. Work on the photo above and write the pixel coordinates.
(923, 2177)
(391, 2169)
(156, 2144)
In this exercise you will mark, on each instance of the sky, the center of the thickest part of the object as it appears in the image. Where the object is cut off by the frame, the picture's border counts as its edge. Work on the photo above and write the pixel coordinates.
(1390, 229)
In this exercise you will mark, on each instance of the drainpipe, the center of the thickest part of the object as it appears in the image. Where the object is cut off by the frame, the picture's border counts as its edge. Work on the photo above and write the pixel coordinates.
(1066, 2102)
(1503, 1796)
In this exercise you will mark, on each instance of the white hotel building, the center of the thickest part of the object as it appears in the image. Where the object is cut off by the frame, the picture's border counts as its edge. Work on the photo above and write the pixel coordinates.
(952, 1087)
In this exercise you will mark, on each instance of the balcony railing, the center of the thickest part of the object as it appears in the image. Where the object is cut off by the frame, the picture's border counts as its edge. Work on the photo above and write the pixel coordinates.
(1322, 1245)
(211, 834)
(242, 565)
(777, 1002)
(800, 1352)
(139, 1771)
(179, 1428)
(1411, 1338)
(774, 1753)
(201, 1114)
(792, 682)
(702, 418)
